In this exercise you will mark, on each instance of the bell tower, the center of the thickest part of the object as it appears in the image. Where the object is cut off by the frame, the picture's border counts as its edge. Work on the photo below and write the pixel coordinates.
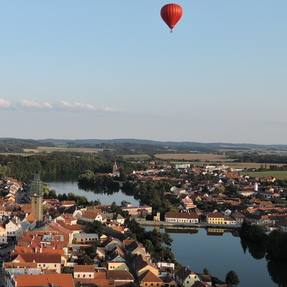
(36, 192)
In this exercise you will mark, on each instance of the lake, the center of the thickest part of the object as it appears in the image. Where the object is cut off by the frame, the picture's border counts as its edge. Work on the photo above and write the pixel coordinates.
(220, 254)
(106, 199)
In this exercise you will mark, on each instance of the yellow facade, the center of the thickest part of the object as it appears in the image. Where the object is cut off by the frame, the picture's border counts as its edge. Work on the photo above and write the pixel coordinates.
(215, 220)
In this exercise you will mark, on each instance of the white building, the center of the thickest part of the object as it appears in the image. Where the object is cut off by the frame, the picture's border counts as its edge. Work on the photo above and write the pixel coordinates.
(84, 271)
(181, 217)
(13, 229)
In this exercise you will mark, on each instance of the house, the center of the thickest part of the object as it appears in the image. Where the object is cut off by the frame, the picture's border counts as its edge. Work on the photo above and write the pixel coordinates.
(141, 266)
(112, 243)
(120, 219)
(166, 268)
(3, 235)
(185, 277)
(216, 218)
(100, 280)
(44, 280)
(84, 271)
(149, 279)
(13, 229)
(187, 202)
(68, 203)
(136, 248)
(228, 220)
(45, 261)
(247, 192)
(10, 270)
(138, 210)
(92, 216)
(181, 217)
(120, 277)
(85, 238)
(117, 255)
(4, 211)
(117, 265)
(238, 216)
(101, 253)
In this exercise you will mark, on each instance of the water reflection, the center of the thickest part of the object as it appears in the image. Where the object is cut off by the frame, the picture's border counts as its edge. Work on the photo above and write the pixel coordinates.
(277, 269)
(221, 252)
(104, 197)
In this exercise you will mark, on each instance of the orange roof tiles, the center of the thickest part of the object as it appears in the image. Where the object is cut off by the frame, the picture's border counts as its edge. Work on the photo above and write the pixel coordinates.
(45, 280)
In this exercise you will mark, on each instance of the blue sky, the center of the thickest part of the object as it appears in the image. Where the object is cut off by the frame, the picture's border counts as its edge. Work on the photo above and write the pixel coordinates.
(111, 69)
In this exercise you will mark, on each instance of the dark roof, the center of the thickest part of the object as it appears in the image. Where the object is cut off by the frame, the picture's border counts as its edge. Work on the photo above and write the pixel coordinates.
(41, 257)
(119, 275)
(134, 245)
(199, 284)
(139, 262)
(84, 268)
(185, 215)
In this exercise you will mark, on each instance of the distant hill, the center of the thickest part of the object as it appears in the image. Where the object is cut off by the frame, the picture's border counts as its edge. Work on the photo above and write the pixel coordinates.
(135, 145)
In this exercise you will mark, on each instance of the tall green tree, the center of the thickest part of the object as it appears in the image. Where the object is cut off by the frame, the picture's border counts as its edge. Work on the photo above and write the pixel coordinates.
(232, 278)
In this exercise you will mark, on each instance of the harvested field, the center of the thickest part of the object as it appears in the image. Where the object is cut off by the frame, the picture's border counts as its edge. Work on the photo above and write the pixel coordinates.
(44, 149)
(191, 156)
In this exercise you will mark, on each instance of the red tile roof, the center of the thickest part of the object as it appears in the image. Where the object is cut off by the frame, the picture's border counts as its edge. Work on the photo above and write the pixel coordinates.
(84, 268)
(44, 280)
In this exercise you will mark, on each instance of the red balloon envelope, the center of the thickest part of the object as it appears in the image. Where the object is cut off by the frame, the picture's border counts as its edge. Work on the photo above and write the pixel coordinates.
(171, 14)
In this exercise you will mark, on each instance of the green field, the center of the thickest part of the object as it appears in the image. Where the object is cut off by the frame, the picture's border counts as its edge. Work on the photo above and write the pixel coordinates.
(136, 156)
(243, 165)
(263, 174)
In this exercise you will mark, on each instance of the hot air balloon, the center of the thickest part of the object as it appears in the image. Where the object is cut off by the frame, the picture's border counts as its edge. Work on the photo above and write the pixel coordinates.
(171, 14)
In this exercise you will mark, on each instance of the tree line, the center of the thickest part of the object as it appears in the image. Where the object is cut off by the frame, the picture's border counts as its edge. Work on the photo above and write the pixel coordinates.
(54, 166)
(260, 158)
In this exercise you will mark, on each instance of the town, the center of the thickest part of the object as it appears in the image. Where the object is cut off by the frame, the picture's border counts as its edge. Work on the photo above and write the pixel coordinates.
(48, 240)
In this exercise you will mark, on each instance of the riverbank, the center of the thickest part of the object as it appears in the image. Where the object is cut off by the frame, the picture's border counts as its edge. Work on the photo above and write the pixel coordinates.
(185, 225)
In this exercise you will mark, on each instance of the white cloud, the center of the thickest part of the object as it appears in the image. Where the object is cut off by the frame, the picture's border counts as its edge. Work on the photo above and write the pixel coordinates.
(57, 106)
(4, 104)
(36, 105)
(78, 106)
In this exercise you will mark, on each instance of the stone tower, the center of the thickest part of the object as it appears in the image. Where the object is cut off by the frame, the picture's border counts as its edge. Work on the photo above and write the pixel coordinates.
(36, 192)
(116, 171)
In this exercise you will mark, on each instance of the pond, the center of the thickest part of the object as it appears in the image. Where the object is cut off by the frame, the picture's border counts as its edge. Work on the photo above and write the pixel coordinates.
(220, 254)
(104, 198)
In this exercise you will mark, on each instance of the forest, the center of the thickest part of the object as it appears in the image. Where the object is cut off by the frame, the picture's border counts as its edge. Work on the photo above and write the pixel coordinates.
(54, 166)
